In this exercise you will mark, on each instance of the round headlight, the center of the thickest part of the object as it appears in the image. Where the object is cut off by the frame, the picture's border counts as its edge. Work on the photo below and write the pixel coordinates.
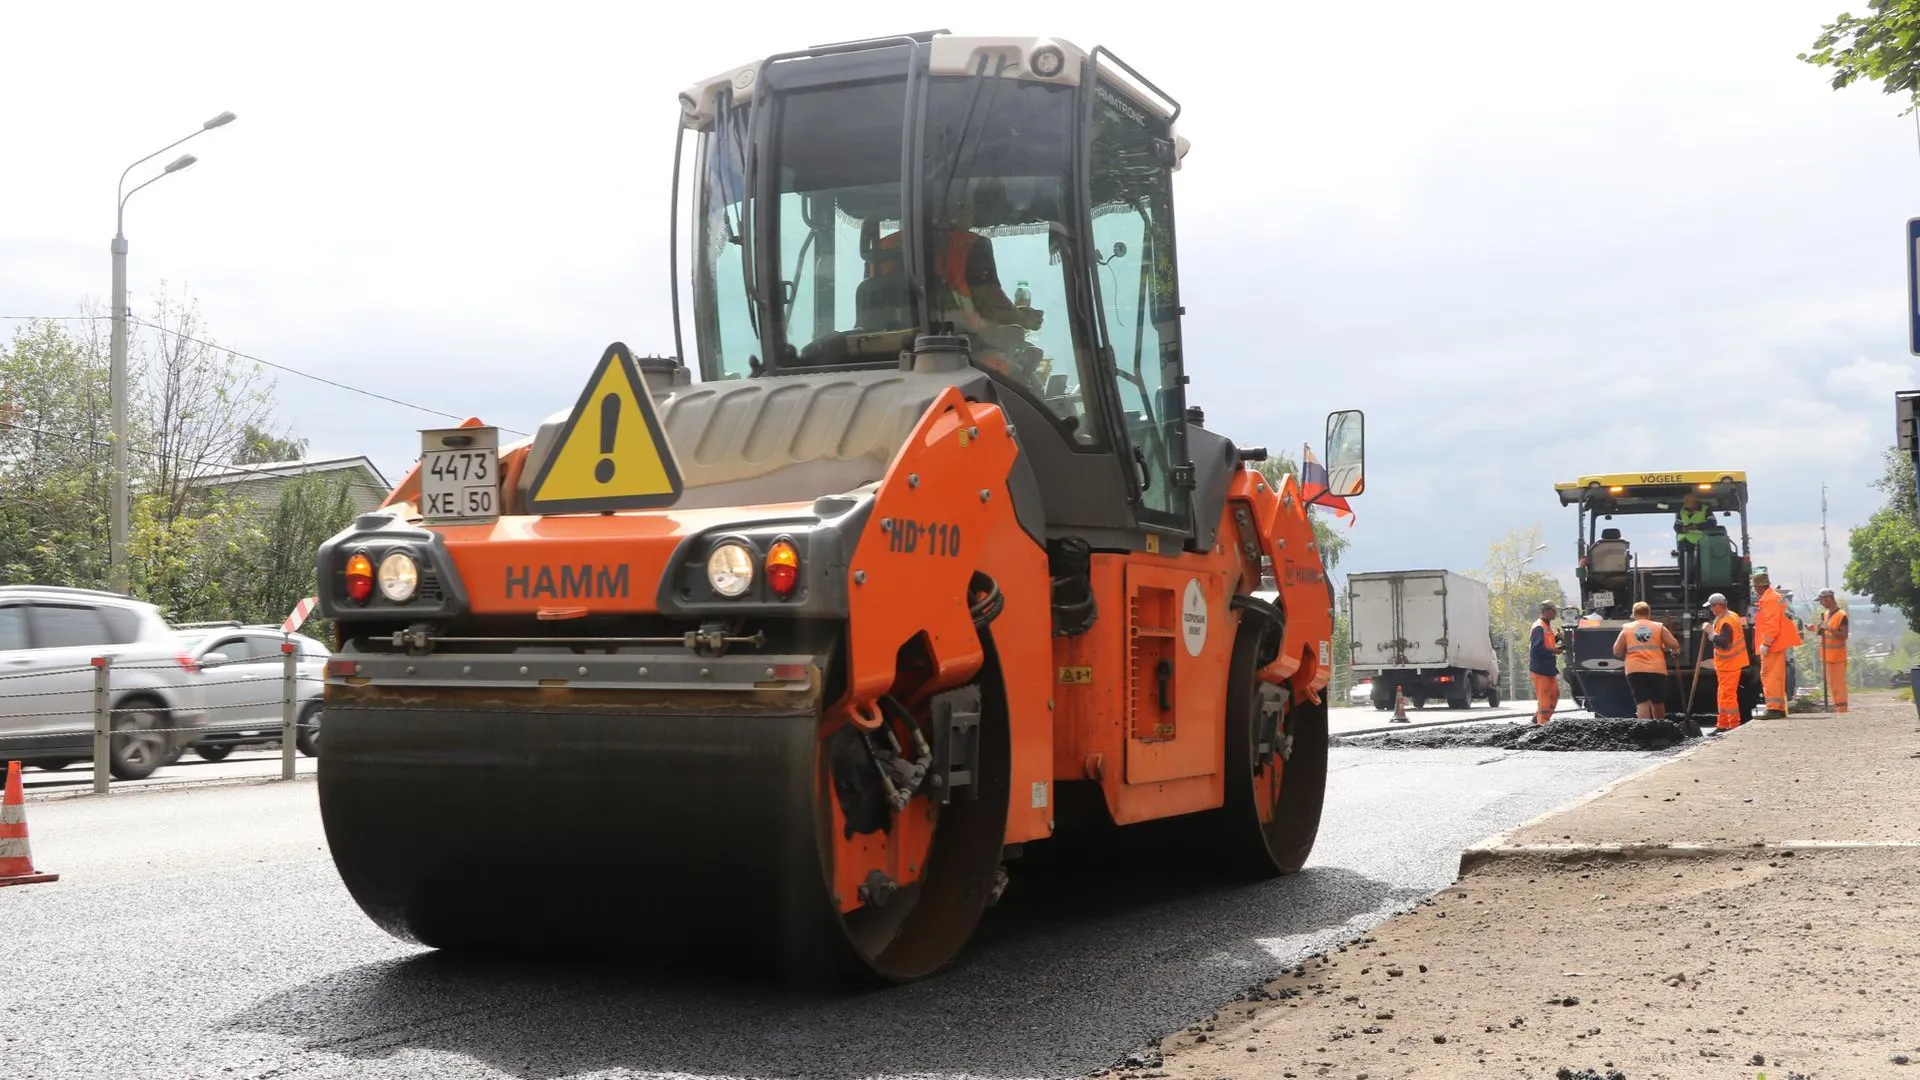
(399, 577)
(1048, 60)
(730, 569)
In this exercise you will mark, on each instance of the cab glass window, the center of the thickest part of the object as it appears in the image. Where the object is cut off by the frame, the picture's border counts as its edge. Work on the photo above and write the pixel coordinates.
(13, 628)
(58, 626)
(725, 323)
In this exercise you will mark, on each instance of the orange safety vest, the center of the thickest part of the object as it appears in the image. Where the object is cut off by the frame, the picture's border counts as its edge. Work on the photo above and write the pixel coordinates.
(1771, 627)
(1735, 654)
(952, 266)
(1833, 643)
(1547, 637)
(1648, 653)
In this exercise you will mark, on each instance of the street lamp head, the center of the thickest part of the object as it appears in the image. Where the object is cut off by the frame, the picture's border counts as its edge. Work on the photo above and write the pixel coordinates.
(181, 162)
(223, 118)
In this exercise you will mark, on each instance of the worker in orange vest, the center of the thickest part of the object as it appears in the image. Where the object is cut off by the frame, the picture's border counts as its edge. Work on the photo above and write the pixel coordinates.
(1773, 634)
(1644, 645)
(1729, 660)
(1543, 650)
(1832, 628)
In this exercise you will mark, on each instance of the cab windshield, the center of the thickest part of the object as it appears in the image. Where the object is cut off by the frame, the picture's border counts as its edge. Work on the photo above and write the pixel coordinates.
(996, 237)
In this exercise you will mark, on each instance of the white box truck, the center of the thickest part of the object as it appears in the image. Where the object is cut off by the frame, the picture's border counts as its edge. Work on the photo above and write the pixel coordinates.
(1425, 633)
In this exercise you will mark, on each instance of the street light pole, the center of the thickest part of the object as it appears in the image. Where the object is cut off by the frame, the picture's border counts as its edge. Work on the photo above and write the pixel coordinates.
(117, 371)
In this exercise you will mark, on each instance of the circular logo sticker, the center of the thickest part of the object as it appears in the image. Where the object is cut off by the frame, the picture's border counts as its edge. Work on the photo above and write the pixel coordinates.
(1193, 618)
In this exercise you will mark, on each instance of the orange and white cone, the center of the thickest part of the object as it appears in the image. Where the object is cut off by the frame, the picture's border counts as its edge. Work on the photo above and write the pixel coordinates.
(16, 857)
(1399, 705)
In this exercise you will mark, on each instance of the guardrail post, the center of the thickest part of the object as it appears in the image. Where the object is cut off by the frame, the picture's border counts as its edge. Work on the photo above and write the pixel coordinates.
(102, 721)
(290, 671)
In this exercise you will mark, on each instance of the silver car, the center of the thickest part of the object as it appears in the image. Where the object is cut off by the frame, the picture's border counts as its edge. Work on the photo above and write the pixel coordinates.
(242, 677)
(49, 638)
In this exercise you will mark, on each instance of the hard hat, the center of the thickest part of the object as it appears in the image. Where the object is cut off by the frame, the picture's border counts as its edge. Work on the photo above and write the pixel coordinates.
(1824, 594)
(1548, 605)
(1760, 572)
(1716, 598)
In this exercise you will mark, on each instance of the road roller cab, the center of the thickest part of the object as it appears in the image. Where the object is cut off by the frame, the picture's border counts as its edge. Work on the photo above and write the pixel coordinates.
(794, 655)
(1682, 551)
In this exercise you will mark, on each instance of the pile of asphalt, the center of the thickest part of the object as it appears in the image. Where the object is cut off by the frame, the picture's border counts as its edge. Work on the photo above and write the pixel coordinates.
(1565, 733)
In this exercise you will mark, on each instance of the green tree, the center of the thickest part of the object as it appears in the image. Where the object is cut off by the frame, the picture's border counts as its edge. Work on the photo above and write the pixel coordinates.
(1885, 566)
(1882, 46)
(1514, 595)
(258, 446)
(311, 509)
(1331, 544)
(55, 459)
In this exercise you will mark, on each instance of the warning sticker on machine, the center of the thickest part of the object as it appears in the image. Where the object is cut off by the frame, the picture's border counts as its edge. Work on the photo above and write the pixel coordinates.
(1193, 618)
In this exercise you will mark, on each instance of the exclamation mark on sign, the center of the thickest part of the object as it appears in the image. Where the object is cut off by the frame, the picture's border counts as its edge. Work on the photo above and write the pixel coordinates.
(609, 423)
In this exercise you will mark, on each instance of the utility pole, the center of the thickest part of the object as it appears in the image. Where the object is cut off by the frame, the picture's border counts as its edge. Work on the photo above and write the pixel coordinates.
(1826, 550)
(122, 509)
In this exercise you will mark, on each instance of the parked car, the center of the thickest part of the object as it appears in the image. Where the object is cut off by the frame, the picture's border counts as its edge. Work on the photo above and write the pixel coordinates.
(49, 637)
(242, 673)
(1361, 693)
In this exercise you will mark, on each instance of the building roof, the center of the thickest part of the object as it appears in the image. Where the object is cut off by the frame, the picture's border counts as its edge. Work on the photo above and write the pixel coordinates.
(287, 470)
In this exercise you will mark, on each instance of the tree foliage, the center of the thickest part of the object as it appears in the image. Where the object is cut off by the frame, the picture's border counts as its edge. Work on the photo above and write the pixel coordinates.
(193, 408)
(1885, 567)
(1882, 46)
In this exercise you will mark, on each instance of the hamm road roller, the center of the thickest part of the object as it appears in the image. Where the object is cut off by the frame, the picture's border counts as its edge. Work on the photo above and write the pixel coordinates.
(789, 660)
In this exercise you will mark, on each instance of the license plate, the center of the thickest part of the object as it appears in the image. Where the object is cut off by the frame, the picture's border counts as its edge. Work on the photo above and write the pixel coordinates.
(1602, 598)
(460, 474)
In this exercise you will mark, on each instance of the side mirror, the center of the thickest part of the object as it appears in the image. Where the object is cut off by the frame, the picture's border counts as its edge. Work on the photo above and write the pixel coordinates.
(1119, 249)
(213, 659)
(1346, 453)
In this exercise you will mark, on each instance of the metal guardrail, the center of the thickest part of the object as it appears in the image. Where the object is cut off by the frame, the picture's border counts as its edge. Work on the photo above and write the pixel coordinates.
(104, 714)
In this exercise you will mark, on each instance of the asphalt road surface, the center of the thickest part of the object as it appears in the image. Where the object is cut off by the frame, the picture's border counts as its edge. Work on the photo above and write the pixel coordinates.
(203, 933)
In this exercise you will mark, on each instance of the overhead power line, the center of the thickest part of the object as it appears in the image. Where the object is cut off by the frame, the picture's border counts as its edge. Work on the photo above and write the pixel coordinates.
(226, 467)
(363, 391)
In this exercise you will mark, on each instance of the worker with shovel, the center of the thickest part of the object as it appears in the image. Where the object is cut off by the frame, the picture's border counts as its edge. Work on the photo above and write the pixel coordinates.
(1644, 645)
(1832, 628)
(1729, 661)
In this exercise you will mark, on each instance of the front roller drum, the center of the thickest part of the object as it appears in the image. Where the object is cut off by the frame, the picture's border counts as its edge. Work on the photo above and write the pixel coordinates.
(685, 839)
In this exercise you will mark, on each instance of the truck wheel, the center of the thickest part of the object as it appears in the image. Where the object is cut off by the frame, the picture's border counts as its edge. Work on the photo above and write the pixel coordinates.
(1493, 697)
(1382, 706)
(1460, 703)
(1271, 815)
(1419, 703)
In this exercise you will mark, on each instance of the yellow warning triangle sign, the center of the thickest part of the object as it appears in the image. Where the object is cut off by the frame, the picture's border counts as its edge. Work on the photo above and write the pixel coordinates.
(612, 454)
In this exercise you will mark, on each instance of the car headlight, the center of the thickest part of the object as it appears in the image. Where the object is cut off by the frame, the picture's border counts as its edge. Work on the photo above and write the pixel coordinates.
(730, 569)
(399, 577)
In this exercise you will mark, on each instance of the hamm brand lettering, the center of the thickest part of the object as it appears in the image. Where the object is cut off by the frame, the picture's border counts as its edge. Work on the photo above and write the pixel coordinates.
(582, 582)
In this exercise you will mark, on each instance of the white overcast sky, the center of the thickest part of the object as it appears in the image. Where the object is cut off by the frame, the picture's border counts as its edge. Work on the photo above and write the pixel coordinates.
(1531, 242)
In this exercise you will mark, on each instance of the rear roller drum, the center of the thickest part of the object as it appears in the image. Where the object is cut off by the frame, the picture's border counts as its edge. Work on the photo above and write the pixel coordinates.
(1276, 768)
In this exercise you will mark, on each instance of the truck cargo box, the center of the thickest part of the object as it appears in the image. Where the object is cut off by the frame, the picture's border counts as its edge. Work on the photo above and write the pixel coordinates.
(1419, 619)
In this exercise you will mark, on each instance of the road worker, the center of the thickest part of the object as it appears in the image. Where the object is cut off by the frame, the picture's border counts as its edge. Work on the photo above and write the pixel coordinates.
(1644, 645)
(1687, 526)
(1832, 628)
(1543, 651)
(1773, 634)
(1729, 660)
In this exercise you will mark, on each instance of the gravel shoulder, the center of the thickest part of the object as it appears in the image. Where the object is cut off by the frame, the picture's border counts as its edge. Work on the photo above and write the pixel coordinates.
(1752, 907)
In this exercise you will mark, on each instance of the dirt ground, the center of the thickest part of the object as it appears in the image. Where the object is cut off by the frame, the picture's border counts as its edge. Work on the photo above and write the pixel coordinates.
(1584, 961)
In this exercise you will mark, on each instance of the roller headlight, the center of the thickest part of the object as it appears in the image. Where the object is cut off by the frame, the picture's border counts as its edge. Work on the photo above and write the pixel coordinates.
(399, 577)
(730, 569)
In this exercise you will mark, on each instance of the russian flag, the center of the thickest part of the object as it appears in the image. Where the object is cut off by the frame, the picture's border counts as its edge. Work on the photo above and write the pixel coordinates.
(1313, 486)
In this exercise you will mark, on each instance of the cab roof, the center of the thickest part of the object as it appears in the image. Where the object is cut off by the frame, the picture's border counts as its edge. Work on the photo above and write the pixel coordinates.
(1655, 492)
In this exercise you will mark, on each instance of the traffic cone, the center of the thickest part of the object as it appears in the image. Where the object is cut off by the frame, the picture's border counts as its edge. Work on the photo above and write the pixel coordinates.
(16, 856)
(1399, 705)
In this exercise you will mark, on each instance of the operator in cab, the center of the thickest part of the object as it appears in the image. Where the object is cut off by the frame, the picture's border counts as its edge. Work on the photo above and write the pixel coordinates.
(1543, 651)
(1773, 634)
(1729, 661)
(967, 291)
(1644, 645)
(1687, 526)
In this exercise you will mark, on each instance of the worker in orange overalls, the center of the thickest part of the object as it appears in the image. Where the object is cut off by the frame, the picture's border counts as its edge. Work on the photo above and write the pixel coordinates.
(1832, 628)
(1644, 645)
(1729, 660)
(1773, 634)
(1543, 650)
